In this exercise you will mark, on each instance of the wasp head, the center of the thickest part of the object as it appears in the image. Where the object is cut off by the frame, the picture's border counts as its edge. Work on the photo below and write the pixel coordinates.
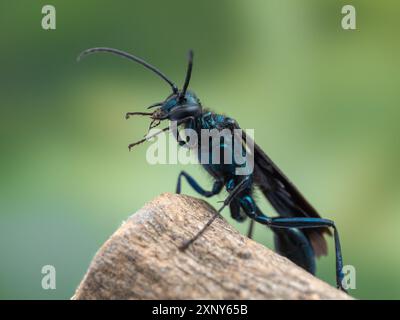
(178, 107)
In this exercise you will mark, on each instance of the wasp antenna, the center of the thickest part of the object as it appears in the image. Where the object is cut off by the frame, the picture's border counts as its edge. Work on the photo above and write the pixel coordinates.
(130, 57)
(188, 73)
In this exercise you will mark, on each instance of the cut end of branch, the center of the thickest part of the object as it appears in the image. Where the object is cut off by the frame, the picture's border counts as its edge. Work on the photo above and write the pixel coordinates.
(142, 260)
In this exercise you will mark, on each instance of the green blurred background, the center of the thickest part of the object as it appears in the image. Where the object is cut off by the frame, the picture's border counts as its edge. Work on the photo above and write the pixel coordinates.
(323, 102)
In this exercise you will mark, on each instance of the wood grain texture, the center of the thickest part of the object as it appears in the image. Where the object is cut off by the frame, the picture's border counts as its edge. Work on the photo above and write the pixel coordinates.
(142, 260)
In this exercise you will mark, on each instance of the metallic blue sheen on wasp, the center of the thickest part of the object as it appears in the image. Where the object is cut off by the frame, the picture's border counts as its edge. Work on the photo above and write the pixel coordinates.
(298, 230)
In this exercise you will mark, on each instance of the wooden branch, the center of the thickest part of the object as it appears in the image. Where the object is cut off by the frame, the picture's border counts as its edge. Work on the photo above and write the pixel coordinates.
(141, 260)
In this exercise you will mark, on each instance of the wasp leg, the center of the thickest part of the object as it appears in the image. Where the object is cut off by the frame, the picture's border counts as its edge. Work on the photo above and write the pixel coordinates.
(239, 188)
(254, 212)
(129, 114)
(217, 187)
(236, 211)
(251, 229)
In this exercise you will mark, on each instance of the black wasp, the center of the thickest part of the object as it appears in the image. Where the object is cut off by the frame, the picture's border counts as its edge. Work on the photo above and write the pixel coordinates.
(298, 231)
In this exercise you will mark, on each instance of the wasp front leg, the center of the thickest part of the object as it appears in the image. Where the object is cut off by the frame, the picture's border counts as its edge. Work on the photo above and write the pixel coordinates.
(216, 188)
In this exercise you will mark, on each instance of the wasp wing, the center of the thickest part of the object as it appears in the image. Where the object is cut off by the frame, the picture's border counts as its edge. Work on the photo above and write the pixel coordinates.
(283, 194)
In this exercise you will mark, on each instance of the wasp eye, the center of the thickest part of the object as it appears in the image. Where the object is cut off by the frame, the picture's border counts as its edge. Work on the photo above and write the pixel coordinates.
(170, 104)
